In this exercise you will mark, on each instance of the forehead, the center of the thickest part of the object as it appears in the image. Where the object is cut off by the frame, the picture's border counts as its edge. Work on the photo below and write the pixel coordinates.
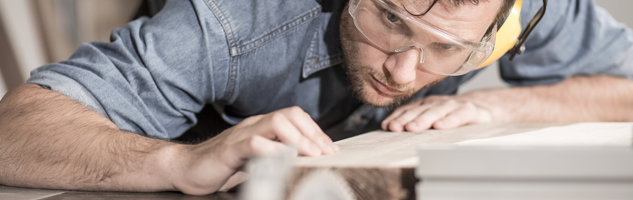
(466, 20)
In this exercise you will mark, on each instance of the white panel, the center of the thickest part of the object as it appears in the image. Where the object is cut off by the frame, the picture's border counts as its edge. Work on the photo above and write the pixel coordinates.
(523, 190)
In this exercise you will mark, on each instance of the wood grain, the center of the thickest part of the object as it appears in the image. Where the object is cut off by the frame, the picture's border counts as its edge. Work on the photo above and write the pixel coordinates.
(380, 165)
(368, 183)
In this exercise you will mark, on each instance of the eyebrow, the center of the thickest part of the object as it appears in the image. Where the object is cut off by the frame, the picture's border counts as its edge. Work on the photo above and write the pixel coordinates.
(427, 10)
(445, 5)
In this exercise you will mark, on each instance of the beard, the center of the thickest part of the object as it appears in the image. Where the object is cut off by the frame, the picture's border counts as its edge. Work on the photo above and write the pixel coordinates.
(357, 85)
(355, 73)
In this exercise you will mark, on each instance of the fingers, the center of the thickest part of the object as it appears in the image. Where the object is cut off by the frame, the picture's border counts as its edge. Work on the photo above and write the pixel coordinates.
(258, 146)
(293, 127)
(426, 119)
(405, 119)
(440, 112)
(310, 129)
(399, 111)
(417, 117)
(458, 117)
(466, 114)
(278, 127)
(261, 135)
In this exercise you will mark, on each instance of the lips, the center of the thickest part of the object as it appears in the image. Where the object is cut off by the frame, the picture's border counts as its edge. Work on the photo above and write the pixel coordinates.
(384, 88)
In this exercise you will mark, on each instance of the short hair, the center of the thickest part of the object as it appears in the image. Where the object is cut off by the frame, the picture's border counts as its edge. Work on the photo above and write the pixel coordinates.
(501, 15)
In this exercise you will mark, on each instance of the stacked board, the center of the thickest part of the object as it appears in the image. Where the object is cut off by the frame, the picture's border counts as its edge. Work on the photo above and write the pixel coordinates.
(382, 165)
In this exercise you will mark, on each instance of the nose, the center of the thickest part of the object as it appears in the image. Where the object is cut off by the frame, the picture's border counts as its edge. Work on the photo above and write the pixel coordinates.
(402, 66)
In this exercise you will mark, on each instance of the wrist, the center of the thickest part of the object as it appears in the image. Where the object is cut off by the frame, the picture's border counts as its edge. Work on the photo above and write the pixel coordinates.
(491, 102)
(169, 162)
(194, 169)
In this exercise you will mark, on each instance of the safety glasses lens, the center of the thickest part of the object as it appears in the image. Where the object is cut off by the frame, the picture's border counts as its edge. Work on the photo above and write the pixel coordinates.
(392, 31)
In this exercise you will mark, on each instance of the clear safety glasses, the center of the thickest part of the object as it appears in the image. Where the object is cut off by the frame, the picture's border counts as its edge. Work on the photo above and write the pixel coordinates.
(387, 26)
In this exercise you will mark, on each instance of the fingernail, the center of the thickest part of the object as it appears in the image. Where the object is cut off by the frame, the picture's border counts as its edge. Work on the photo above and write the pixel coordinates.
(334, 147)
(325, 148)
(413, 124)
(314, 148)
(325, 145)
(411, 127)
(393, 126)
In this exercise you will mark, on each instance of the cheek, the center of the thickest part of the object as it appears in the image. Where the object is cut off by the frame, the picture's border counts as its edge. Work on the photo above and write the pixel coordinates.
(425, 77)
(362, 51)
(370, 56)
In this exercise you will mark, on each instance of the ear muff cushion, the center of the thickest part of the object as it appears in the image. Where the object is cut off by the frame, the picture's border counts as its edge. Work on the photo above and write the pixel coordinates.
(507, 35)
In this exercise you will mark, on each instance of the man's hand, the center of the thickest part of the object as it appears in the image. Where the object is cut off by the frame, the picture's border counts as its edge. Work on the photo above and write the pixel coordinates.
(577, 99)
(440, 112)
(48, 140)
(210, 164)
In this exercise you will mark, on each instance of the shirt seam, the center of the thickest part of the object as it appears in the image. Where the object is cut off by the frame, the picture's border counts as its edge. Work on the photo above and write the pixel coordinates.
(279, 31)
(230, 36)
(325, 63)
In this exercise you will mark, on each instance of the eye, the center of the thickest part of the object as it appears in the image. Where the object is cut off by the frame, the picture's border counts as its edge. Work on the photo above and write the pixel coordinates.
(392, 18)
(448, 47)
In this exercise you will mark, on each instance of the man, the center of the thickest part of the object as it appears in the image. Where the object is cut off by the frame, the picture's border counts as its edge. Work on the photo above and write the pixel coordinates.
(272, 69)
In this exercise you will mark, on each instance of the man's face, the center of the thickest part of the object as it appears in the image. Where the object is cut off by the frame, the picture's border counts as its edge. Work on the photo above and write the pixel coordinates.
(386, 79)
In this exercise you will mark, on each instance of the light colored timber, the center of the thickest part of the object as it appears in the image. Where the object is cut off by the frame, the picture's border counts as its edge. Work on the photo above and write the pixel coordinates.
(396, 149)
(380, 164)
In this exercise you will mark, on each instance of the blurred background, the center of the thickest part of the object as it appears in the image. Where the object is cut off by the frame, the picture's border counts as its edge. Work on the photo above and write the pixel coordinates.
(36, 32)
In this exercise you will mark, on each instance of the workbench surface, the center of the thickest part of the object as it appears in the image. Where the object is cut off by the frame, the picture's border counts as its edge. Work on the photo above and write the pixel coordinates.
(350, 151)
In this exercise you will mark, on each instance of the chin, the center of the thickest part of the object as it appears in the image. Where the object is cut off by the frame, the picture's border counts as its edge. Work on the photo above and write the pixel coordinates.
(378, 101)
(373, 97)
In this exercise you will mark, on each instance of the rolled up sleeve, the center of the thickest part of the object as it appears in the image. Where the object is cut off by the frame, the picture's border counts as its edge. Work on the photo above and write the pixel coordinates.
(574, 38)
(153, 76)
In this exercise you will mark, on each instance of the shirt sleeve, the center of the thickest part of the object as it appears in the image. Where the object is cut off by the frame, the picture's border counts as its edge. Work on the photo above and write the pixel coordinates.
(153, 76)
(575, 37)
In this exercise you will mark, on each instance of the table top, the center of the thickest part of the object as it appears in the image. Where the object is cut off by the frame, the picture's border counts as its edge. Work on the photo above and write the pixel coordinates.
(396, 149)
(16, 193)
(349, 149)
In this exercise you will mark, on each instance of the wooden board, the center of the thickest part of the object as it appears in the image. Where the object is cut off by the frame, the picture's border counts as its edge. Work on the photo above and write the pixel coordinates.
(380, 165)
(393, 149)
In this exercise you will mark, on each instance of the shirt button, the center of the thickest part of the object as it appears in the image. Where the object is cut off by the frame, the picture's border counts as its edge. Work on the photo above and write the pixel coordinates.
(313, 61)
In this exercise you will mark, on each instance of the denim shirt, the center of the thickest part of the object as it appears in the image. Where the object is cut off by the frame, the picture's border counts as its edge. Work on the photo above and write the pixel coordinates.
(249, 57)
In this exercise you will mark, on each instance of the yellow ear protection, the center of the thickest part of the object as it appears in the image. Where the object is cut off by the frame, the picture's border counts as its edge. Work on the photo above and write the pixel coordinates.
(509, 38)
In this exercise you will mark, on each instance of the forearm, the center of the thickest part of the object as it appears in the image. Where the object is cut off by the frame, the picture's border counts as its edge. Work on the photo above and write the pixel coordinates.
(578, 99)
(48, 140)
